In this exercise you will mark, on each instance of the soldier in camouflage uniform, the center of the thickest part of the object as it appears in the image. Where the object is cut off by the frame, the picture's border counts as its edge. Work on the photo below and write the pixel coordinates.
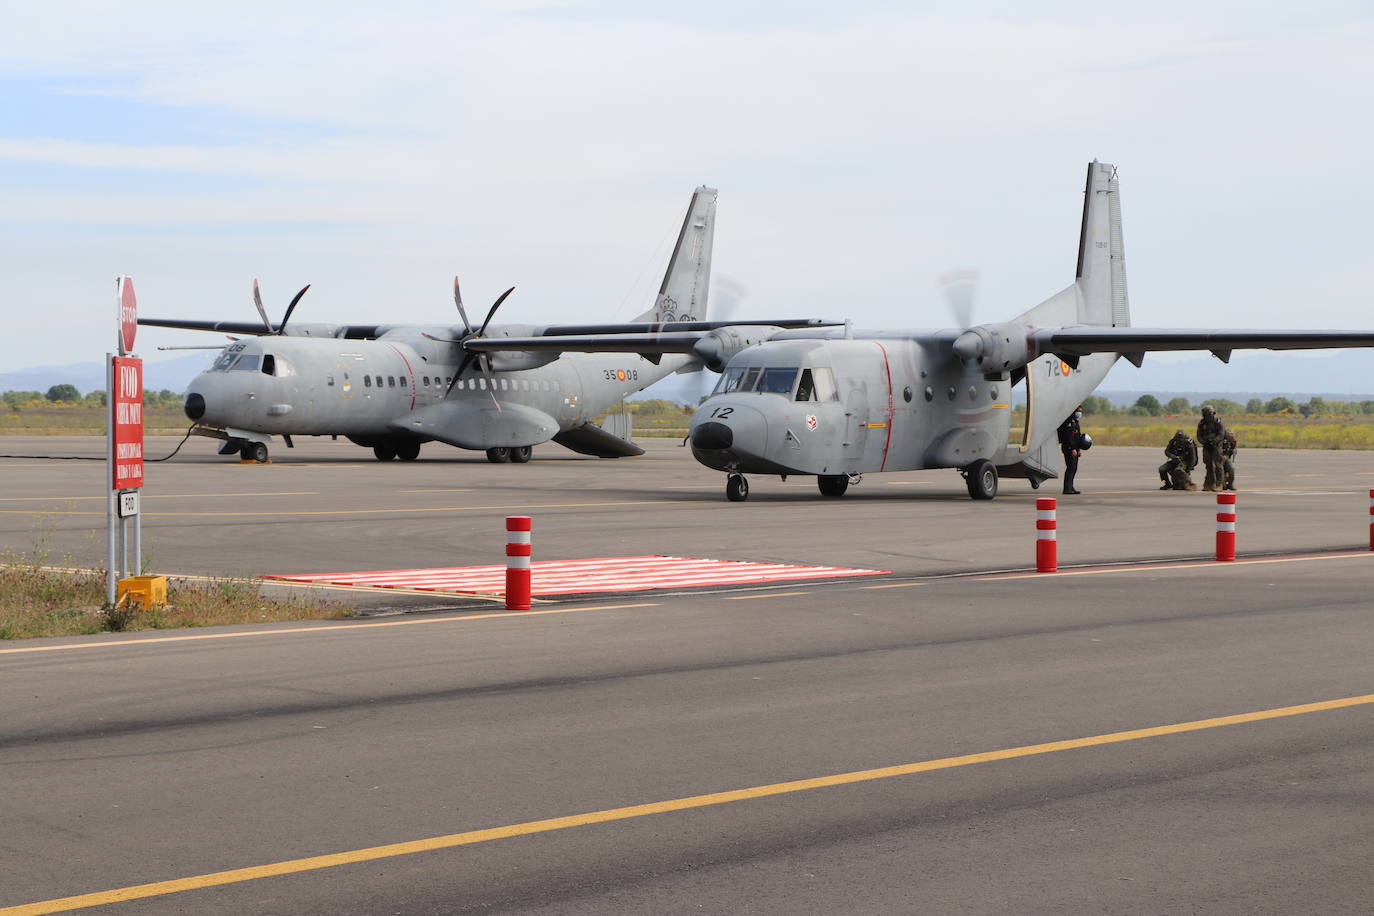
(1228, 458)
(1176, 472)
(1210, 433)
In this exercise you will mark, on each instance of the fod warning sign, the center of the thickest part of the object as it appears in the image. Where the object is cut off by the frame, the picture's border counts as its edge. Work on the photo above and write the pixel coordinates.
(126, 421)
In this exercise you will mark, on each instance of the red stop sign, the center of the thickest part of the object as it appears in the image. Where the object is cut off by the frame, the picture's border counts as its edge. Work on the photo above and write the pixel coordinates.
(128, 314)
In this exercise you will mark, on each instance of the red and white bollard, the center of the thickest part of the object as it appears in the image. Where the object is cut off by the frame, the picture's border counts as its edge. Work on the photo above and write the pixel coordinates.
(518, 549)
(1371, 519)
(1046, 535)
(1226, 526)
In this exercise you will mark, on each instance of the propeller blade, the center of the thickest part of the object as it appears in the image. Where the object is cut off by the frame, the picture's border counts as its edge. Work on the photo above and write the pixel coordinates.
(257, 300)
(484, 362)
(462, 312)
(494, 306)
(291, 308)
(462, 367)
(959, 288)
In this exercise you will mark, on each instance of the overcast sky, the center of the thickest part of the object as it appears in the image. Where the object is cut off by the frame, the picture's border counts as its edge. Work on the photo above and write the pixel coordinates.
(861, 150)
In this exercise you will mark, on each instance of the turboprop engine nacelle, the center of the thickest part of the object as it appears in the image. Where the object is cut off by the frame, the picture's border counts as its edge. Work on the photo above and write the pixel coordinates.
(995, 347)
(721, 345)
(518, 360)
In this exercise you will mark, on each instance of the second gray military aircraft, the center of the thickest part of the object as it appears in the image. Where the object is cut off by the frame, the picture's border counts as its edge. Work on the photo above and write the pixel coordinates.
(840, 403)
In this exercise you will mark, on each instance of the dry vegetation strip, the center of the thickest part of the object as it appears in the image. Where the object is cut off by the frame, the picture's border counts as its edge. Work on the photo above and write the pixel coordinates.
(37, 600)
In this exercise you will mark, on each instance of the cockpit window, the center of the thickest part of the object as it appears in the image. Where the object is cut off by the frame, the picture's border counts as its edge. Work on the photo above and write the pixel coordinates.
(729, 381)
(248, 361)
(225, 361)
(777, 381)
(817, 384)
(269, 364)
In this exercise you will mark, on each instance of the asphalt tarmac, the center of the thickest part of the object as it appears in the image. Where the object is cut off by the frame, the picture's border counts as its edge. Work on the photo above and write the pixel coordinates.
(960, 736)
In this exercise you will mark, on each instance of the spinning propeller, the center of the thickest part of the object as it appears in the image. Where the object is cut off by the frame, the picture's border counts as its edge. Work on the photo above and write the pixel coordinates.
(281, 328)
(959, 288)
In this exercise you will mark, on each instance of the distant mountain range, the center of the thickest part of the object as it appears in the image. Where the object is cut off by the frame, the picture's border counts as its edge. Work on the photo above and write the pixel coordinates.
(1344, 376)
(173, 374)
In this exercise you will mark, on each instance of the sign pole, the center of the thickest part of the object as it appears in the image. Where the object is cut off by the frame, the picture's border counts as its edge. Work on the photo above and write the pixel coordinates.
(124, 444)
(110, 573)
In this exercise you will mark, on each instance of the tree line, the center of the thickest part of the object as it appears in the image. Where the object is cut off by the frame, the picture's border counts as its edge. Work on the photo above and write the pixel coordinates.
(1147, 405)
(71, 396)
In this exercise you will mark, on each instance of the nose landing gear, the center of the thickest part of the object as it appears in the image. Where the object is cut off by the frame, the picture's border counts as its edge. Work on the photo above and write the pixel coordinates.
(736, 488)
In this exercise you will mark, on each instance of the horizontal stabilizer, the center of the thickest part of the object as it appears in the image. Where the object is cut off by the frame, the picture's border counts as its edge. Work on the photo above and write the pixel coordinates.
(591, 439)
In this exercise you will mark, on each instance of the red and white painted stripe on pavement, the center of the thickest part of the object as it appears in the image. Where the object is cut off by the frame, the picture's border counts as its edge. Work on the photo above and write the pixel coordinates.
(575, 577)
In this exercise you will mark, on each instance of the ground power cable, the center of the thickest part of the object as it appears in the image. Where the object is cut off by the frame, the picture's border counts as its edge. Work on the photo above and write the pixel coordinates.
(190, 429)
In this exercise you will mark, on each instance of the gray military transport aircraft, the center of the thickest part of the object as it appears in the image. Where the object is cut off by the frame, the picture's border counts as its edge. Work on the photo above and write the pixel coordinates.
(839, 403)
(392, 388)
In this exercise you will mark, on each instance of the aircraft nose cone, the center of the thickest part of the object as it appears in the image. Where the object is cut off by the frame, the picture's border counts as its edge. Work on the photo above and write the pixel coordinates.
(194, 406)
(713, 436)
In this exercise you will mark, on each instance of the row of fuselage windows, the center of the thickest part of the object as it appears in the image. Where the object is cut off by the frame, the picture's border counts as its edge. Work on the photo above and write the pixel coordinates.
(475, 384)
(811, 384)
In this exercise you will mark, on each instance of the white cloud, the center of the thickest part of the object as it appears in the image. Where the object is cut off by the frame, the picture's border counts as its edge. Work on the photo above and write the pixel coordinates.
(858, 157)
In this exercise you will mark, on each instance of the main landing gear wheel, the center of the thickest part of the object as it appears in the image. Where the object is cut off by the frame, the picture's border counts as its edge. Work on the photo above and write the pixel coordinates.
(981, 477)
(521, 453)
(257, 451)
(736, 488)
(409, 451)
(832, 484)
(384, 452)
(498, 455)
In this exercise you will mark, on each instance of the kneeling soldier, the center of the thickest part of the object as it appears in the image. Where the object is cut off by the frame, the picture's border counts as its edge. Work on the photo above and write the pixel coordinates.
(1176, 472)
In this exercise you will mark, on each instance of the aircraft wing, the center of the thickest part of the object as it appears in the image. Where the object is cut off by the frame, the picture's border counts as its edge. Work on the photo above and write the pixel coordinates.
(1133, 343)
(667, 342)
(566, 330)
(227, 327)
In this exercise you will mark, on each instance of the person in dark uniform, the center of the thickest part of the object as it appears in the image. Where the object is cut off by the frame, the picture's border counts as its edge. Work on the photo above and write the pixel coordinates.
(1176, 472)
(1070, 443)
(1210, 433)
(1228, 459)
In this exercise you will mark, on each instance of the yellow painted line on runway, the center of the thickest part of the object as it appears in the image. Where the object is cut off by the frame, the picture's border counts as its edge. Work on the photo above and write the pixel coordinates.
(769, 595)
(527, 828)
(896, 585)
(164, 496)
(1188, 564)
(317, 512)
(321, 628)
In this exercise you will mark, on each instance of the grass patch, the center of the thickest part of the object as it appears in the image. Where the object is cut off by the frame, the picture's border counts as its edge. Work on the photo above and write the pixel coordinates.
(82, 420)
(37, 600)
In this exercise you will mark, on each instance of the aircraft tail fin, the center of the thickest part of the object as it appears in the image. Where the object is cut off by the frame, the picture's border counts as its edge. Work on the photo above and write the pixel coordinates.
(682, 296)
(1101, 276)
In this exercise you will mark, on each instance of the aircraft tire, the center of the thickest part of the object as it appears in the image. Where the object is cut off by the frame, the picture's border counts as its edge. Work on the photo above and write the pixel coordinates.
(736, 488)
(384, 452)
(408, 451)
(256, 451)
(981, 477)
(521, 453)
(498, 455)
(832, 484)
